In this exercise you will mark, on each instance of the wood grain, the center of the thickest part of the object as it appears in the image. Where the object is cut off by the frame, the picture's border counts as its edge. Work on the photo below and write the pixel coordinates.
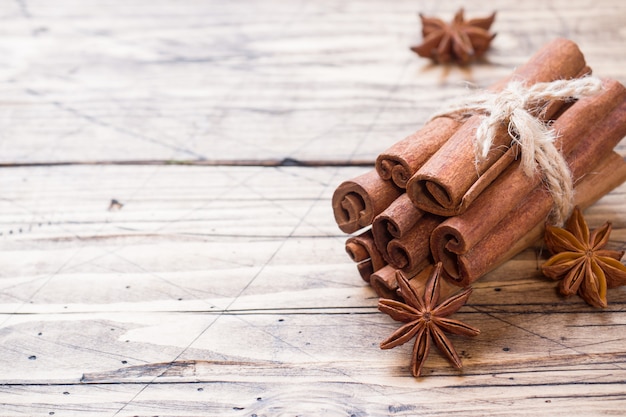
(136, 302)
(162, 80)
(144, 271)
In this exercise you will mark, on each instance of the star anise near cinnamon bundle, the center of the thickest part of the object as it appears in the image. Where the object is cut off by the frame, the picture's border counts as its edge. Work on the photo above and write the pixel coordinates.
(426, 320)
(581, 261)
(460, 40)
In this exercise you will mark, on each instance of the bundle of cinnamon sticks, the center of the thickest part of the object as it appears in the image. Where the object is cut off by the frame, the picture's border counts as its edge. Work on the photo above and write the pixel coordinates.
(428, 200)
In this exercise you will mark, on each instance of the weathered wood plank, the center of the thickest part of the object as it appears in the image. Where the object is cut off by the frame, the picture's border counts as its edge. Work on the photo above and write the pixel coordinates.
(329, 341)
(167, 306)
(271, 230)
(327, 398)
(226, 290)
(236, 388)
(162, 80)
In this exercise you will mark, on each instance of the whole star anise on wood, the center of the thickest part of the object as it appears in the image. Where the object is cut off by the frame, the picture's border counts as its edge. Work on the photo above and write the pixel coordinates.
(461, 40)
(581, 261)
(426, 319)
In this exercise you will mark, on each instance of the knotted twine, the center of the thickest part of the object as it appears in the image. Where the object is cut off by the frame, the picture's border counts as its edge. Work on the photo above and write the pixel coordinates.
(516, 105)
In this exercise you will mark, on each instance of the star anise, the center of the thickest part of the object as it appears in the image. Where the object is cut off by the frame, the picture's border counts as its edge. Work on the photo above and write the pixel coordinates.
(581, 261)
(461, 40)
(425, 318)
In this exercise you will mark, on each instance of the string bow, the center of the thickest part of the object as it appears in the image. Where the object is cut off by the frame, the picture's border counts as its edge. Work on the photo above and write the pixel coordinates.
(518, 106)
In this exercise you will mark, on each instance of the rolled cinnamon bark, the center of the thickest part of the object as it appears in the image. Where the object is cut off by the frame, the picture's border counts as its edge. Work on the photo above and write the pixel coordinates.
(357, 201)
(451, 179)
(384, 282)
(402, 234)
(405, 157)
(610, 174)
(363, 251)
(410, 252)
(459, 233)
(524, 225)
(394, 223)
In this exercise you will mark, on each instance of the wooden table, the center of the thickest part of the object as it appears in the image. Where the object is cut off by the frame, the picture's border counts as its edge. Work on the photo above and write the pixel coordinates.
(167, 241)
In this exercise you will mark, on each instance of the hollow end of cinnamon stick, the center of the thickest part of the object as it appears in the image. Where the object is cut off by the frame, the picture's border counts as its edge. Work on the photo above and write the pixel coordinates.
(411, 251)
(405, 157)
(429, 194)
(394, 168)
(384, 165)
(406, 258)
(444, 182)
(384, 230)
(349, 208)
(357, 252)
(400, 174)
(357, 201)
(384, 282)
(398, 255)
(363, 251)
(440, 194)
(397, 219)
(445, 240)
(394, 222)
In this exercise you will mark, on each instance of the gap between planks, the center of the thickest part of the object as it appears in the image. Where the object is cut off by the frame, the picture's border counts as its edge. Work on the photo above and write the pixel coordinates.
(285, 162)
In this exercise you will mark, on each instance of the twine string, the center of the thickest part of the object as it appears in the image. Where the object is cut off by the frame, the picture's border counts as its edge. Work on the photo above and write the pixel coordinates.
(520, 108)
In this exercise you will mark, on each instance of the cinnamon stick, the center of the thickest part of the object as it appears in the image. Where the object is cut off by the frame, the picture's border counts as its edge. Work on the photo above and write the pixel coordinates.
(459, 233)
(357, 201)
(405, 157)
(384, 282)
(451, 179)
(394, 222)
(402, 234)
(591, 189)
(410, 252)
(418, 282)
(363, 251)
(524, 225)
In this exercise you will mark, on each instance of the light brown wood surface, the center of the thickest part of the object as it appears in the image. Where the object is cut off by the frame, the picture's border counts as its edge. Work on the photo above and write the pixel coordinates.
(220, 286)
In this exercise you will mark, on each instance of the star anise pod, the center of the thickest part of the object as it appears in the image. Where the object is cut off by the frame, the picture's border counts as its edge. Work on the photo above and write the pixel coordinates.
(581, 261)
(460, 40)
(425, 318)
